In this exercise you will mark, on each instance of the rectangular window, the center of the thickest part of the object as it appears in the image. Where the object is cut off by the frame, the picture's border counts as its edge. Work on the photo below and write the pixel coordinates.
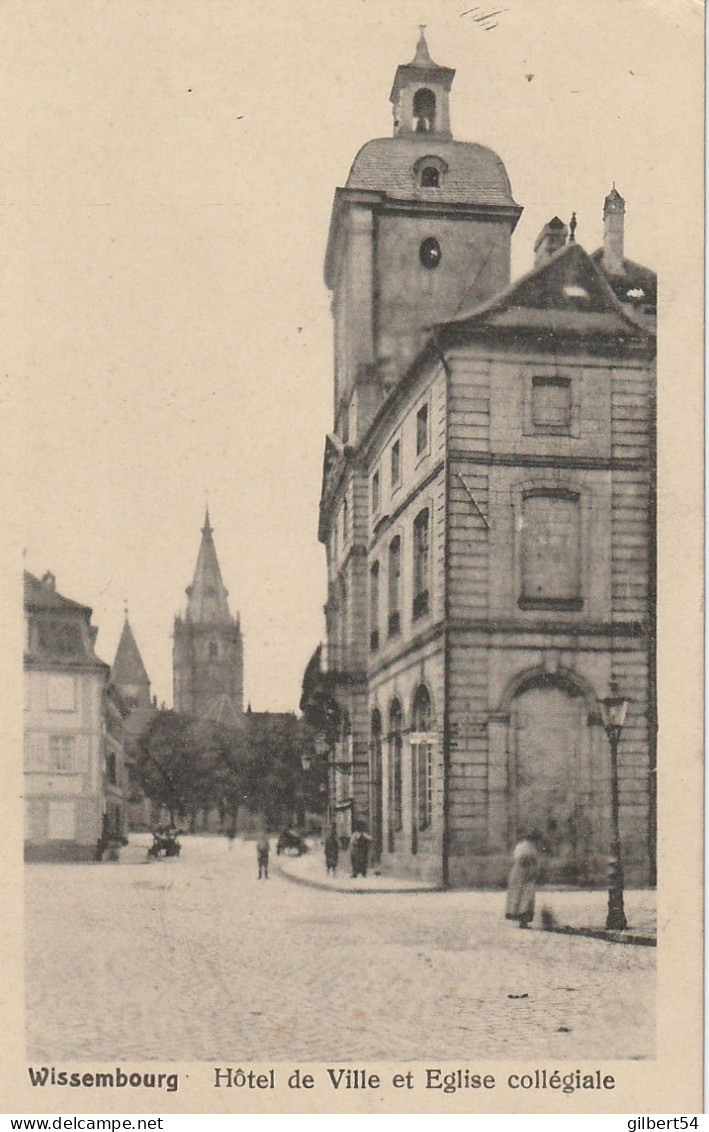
(395, 464)
(421, 563)
(422, 430)
(61, 754)
(376, 494)
(551, 404)
(35, 752)
(61, 692)
(374, 607)
(551, 551)
(394, 586)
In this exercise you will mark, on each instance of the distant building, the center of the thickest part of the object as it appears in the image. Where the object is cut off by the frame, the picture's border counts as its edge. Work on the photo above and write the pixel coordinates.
(131, 681)
(75, 775)
(128, 672)
(208, 657)
(487, 509)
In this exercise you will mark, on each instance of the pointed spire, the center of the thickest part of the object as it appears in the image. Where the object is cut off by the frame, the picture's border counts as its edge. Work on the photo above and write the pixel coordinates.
(572, 228)
(422, 57)
(207, 596)
(128, 667)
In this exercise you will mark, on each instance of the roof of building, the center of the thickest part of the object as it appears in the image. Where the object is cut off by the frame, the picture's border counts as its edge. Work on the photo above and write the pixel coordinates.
(222, 709)
(565, 295)
(475, 174)
(423, 68)
(637, 284)
(42, 594)
(128, 667)
(207, 596)
(60, 631)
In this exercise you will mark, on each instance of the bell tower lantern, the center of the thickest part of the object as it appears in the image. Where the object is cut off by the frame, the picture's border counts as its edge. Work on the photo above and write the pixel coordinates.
(419, 96)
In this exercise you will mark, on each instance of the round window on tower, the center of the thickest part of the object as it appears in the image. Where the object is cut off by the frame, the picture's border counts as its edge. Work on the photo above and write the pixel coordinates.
(430, 253)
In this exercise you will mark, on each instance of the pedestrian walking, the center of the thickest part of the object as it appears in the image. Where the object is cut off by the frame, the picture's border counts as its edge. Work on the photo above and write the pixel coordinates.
(262, 850)
(332, 852)
(359, 849)
(522, 883)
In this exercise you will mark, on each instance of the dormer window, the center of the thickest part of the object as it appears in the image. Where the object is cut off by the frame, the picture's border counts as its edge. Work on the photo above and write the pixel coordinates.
(424, 111)
(429, 172)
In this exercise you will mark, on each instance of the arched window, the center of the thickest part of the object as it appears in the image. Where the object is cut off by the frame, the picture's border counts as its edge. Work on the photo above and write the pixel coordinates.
(551, 550)
(421, 563)
(342, 787)
(424, 111)
(430, 177)
(374, 606)
(375, 782)
(395, 792)
(421, 768)
(395, 586)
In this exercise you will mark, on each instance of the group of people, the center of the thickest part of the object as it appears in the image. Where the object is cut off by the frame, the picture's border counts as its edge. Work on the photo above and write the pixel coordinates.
(359, 846)
(521, 885)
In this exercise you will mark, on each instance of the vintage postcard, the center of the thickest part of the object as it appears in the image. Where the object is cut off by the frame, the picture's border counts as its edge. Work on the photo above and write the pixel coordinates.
(354, 414)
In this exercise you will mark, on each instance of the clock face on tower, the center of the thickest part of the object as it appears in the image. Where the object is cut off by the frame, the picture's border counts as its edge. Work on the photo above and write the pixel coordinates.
(430, 253)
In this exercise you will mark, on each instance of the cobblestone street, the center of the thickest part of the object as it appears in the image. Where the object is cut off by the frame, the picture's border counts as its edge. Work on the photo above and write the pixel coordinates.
(195, 960)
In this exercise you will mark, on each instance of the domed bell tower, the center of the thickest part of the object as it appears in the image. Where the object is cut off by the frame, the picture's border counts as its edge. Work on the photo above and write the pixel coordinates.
(420, 234)
(420, 95)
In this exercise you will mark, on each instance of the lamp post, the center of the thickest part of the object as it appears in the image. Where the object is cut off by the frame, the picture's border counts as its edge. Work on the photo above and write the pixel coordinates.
(613, 712)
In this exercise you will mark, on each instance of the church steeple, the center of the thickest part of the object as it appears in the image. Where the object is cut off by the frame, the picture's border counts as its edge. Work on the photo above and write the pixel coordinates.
(419, 96)
(207, 596)
(128, 672)
(207, 654)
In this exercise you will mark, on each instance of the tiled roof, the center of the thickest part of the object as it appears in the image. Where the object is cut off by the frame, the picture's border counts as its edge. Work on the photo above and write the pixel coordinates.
(567, 294)
(42, 595)
(60, 630)
(635, 278)
(475, 174)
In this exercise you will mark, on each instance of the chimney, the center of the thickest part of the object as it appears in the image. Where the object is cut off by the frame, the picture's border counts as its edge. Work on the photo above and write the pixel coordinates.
(550, 239)
(613, 224)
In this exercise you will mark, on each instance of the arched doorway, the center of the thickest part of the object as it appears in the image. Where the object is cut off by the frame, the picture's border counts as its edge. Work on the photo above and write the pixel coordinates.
(558, 784)
(376, 804)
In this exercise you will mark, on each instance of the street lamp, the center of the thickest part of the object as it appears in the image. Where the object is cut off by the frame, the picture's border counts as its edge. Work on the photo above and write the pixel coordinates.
(613, 712)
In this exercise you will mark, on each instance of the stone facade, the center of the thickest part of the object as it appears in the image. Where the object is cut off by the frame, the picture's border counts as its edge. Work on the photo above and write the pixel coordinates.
(489, 531)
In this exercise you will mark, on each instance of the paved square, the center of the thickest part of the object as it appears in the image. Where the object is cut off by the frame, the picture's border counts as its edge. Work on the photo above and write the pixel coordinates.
(196, 960)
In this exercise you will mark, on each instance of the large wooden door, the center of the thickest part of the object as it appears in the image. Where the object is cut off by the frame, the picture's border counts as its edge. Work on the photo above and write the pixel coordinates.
(552, 788)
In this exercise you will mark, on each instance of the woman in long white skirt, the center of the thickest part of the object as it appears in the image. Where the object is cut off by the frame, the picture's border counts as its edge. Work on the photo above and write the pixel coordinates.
(522, 883)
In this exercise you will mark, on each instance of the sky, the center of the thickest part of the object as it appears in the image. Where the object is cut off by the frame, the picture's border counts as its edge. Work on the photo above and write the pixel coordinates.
(165, 210)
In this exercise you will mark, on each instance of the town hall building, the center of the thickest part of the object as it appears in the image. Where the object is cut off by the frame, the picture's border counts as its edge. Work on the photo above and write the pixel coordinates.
(487, 512)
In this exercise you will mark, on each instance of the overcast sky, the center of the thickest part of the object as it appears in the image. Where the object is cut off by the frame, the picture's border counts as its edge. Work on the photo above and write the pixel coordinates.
(166, 208)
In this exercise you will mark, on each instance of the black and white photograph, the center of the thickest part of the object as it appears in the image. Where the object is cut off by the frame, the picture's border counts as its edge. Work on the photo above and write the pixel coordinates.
(357, 506)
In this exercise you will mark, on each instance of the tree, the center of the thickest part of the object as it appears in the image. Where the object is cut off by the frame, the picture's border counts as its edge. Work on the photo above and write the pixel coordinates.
(188, 764)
